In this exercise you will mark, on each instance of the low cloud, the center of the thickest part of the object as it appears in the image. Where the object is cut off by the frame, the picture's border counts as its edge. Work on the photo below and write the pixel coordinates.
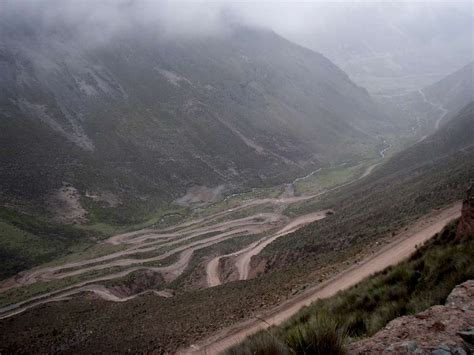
(98, 21)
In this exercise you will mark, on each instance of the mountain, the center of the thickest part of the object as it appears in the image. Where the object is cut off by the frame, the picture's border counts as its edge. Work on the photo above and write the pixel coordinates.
(386, 48)
(425, 110)
(454, 91)
(143, 119)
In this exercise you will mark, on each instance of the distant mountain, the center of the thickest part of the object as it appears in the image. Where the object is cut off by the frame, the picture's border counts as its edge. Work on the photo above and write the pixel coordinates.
(386, 48)
(142, 118)
(455, 91)
(456, 136)
(427, 109)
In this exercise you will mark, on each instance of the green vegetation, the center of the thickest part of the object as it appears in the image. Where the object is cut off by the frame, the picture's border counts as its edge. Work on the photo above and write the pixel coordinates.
(85, 252)
(27, 241)
(263, 344)
(246, 212)
(30, 239)
(22, 293)
(378, 206)
(424, 280)
(321, 335)
(130, 215)
(327, 178)
(234, 200)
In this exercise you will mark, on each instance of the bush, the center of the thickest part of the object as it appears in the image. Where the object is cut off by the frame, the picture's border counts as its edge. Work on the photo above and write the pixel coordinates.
(321, 335)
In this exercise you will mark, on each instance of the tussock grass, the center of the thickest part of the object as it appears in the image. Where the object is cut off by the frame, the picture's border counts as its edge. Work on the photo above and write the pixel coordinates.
(263, 344)
(319, 335)
(425, 279)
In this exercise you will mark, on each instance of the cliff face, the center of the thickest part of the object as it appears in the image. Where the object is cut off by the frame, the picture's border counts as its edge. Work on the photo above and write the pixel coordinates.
(466, 222)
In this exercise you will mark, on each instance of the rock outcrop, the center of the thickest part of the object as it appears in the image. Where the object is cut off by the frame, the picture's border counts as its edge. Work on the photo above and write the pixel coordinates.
(138, 282)
(466, 223)
(440, 330)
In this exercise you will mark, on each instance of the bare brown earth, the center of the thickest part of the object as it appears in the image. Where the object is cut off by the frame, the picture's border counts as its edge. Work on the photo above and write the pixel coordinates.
(403, 245)
(65, 205)
(243, 259)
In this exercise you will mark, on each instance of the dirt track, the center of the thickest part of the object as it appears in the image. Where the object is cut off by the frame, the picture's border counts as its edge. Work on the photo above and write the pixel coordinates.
(437, 106)
(182, 240)
(148, 249)
(404, 245)
(243, 259)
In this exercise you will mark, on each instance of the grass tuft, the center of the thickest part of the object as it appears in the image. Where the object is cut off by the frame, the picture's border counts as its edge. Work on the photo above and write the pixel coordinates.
(425, 279)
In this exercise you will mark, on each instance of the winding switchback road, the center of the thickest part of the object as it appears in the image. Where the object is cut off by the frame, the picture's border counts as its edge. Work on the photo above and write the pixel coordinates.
(168, 251)
(403, 245)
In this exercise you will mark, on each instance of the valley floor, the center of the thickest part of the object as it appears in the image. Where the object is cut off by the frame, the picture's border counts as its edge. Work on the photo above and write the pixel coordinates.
(232, 234)
(183, 267)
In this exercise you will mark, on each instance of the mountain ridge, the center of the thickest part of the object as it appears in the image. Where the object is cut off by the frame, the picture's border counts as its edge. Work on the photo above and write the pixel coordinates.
(182, 115)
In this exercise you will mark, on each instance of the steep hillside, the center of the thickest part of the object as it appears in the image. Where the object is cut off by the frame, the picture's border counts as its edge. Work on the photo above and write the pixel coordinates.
(142, 118)
(456, 136)
(428, 175)
(424, 280)
(427, 109)
(455, 90)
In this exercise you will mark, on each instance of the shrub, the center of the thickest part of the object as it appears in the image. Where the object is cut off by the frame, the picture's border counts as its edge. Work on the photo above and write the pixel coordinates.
(321, 335)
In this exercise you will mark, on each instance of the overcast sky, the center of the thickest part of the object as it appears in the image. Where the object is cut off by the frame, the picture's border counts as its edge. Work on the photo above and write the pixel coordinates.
(210, 16)
(417, 36)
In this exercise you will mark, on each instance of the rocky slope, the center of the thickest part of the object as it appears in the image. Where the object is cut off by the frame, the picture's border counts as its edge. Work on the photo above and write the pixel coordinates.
(117, 130)
(434, 331)
(143, 116)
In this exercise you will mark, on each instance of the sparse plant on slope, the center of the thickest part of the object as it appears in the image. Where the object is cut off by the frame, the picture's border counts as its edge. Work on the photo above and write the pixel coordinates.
(320, 335)
(263, 344)
(424, 280)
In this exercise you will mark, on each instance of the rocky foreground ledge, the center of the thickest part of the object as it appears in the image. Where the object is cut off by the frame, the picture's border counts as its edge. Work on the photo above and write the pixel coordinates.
(440, 330)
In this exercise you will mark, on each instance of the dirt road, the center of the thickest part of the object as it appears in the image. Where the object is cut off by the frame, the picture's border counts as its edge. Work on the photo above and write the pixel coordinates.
(244, 256)
(404, 245)
(437, 106)
(147, 249)
(256, 224)
(369, 170)
(243, 260)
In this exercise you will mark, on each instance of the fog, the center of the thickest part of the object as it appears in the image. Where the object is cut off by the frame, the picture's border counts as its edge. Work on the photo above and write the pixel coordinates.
(421, 18)
(423, 39)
